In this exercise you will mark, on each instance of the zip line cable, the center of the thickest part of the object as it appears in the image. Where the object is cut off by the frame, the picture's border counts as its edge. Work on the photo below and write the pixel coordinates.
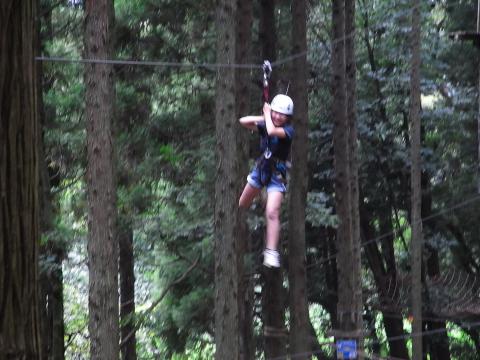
(207, 65)
(147, 63)
(276, 63)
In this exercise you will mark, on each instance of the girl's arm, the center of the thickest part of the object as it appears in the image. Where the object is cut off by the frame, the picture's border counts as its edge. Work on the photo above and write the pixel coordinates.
(250, 122)
(272, 130)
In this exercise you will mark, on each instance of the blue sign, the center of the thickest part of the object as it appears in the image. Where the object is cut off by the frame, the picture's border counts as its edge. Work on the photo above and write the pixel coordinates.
(346, 349)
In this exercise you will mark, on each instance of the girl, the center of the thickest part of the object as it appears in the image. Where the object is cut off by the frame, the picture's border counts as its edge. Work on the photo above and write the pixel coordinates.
(276, 134)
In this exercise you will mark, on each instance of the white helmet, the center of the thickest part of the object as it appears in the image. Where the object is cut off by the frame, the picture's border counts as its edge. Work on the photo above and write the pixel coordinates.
(282, 104)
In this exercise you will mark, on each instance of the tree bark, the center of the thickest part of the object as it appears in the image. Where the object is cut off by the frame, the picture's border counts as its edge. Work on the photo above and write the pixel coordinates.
(227, 217)
(127, 294)
(102, 246)
(52, 309)
(351, 98)
(438, 345)
(392, 318)
(273, 292)
(267, 37)
(349, 293)
(478, 107)
(415, 221)
(19, 225)
(273, 308)
(243, 55)
(51, 276)
(268, 33)
(299, 336)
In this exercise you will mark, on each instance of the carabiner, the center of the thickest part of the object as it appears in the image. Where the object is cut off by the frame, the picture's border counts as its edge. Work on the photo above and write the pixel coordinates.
(267, 71)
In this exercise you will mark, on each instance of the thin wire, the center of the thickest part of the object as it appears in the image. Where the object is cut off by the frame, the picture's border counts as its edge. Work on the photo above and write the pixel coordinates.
(147, 63)
(209, 65)
(404, 227)
(302, 354)
(423, 333)
(374, 356)
(378, 342)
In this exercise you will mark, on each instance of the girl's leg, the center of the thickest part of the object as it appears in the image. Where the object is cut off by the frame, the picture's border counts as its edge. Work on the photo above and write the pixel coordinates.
(272, 214)
(249, 193)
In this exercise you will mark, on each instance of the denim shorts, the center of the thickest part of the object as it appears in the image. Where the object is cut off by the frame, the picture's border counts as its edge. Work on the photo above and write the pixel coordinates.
(275, 184)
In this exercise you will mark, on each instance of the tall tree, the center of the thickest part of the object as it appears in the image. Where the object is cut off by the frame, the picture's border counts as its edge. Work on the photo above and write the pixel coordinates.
(268, 35)
(243, 55)
(227, 220)
(416, 171)
(349, 288)
(102, 246)
(478, 100)
(127, 292)
(273, 291)
(19, 230)
(351, 97)
(299, 318)
(51, 251)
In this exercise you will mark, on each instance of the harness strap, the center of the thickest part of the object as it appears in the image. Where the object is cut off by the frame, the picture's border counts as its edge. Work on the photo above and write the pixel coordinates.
(269, 166)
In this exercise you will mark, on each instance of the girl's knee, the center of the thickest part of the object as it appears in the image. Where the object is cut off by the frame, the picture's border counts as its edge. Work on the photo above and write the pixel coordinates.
(272, 214)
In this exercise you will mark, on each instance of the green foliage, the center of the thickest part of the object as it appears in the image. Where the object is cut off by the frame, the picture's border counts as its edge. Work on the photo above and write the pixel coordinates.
(164, 136)
(318, 212)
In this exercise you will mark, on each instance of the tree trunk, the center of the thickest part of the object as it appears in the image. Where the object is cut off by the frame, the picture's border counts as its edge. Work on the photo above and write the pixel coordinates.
(299, 337)
(51, 282)
(227, 219)
(267, 37)
(351, 89)
(438, 345)
(416, 223)
(127, 294)
(329, 250)
(273, 308)
(268, 33)
(478, 104)
(102, 246)
(392, 317)
(19, 235)
(273, 292)
(349, 294)
(51, 275)
(243, 55)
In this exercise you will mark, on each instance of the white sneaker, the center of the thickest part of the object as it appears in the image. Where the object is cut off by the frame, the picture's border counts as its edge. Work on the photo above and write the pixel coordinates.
(271, 258)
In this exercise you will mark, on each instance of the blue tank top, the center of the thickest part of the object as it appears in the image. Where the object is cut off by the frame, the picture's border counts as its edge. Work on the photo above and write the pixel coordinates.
(279, 147)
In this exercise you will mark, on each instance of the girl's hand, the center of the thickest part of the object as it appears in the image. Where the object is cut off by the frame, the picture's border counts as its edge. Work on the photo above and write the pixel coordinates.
(267, 109)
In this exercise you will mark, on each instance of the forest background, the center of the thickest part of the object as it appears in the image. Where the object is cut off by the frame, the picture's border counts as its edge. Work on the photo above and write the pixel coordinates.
(164, 136)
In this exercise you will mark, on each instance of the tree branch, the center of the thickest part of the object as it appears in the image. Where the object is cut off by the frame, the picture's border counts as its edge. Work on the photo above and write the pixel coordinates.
(159, 299)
